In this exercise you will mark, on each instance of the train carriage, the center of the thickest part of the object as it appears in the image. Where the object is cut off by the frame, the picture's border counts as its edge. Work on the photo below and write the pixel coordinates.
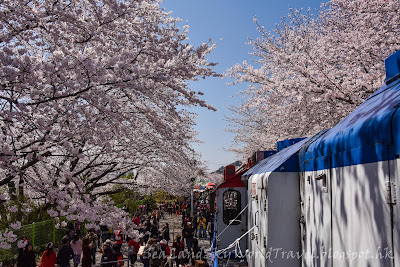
(350, 178)
(231, 199)
(231, 216)
(332, 197)
(274, 207)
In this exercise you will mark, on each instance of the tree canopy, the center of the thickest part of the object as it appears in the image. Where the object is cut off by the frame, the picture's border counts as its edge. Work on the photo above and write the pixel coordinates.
(92, 91)
(312, 70)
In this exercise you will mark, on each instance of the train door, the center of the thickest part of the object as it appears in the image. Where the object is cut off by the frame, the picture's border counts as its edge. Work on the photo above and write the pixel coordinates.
(319, 215)
(252, 192)
(232, 220)
(303, 228)
(394, 173)
(263, 218)
(393, 183)
(361, 215)
(257, 253)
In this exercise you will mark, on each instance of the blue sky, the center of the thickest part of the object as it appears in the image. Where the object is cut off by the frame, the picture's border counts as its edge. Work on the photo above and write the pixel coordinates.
(229, 23)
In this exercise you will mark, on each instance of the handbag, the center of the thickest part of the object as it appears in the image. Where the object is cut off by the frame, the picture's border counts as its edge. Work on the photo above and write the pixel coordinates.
(199, 263)
(141, 250)
(131, 250)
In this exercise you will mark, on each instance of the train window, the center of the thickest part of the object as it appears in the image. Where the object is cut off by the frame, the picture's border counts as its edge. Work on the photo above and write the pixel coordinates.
(231, 207)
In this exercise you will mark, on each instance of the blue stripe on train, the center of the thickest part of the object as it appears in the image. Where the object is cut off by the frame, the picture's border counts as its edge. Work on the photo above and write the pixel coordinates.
(364, 136)
(352, 157)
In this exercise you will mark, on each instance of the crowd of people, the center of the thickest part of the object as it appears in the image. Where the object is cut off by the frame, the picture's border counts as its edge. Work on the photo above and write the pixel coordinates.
(183, 250)
(72, 249)
(153, 247)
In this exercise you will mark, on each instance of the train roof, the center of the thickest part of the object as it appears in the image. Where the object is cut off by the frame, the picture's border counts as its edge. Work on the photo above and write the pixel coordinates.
(364, 135)
(280, 145)
(361, 137)
(236, 180)
(283, 161)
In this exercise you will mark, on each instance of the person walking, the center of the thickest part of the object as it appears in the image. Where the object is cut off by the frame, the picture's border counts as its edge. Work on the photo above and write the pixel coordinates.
(197, 254)
(195, 224)
(167, 252)
(187, 234)
(49, 258)
(28, 256)
(145, 209)
(183, 218)
(158, 215)
(154, 232)
(179, 248)
(65, 254)
(77, 227)
(156, 254)
(93, 240)
(119, 239)
(169, 209)
(165, 232)
(202, 227)
(118, 255)
(133, 249)
(108, 257)
(86, 253)
(210, 230)
(145, 257)
(136, 219)
(146, 228)
(76, 245)
(21, 247)
(105, 234)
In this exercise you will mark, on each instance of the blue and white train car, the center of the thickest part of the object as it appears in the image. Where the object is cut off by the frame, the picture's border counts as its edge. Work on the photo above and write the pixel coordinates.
(231, 216)
(350, 177)
(274, 207)
(331, 200)
(230, 220)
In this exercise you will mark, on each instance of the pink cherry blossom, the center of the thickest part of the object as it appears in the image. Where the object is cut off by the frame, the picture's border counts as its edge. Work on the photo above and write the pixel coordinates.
(95, 98)
(312, 70)
(16, 225)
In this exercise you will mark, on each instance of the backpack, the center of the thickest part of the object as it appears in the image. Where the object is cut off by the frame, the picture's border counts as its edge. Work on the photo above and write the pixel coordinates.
(156, 255)
(131, 250)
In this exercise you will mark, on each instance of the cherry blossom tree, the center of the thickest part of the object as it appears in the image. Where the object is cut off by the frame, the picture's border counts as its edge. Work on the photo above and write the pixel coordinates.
(215, 177)
(312, 70)
(93, 95)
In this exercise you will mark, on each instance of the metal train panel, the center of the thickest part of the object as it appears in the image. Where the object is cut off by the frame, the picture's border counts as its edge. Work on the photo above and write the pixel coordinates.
(361, 215)
(318, 217)
(348, 222)
(275, 216)
(228, 198)
(394, 172)
(338, 194)
(281, 207)
(274, 210)
(350, 178)
(254, 259)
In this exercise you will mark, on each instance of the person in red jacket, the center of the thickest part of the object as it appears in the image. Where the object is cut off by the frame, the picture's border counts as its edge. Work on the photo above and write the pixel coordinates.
(133, 249)
(136, 220)
(118, 239)
(49, 257)
(167, 251)
(179, 250)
